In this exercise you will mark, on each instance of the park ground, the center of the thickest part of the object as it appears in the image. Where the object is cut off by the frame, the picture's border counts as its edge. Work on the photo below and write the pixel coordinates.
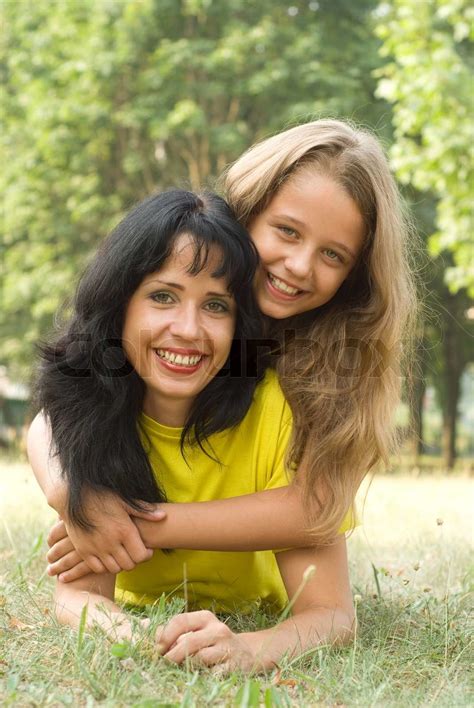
(410, 575)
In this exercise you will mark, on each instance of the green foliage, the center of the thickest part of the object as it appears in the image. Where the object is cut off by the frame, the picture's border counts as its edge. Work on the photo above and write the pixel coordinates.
(429, 82)
(108, 101)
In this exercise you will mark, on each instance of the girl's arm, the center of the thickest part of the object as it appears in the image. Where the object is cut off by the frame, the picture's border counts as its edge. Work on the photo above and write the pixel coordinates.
(266, 520)
(261, 521)
(113, 544)
(317, 582)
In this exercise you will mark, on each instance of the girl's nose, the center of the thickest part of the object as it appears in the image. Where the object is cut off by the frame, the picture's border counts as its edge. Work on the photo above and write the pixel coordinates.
(186, 325)
(299, 265)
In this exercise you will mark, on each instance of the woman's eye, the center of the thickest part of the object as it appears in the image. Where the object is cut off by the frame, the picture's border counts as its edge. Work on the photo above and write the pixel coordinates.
(217, 306)
(332, 255)
(162, 298)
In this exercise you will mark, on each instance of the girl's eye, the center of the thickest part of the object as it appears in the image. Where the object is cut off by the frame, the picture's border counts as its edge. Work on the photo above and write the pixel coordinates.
(217, 306)
(287, 230)
(332, 255)
(162, 298)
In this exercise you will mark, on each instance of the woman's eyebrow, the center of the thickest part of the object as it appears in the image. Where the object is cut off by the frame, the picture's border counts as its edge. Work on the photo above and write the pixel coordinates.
(178, 286)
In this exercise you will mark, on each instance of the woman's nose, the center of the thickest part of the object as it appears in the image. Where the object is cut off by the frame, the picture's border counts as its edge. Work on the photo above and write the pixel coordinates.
(186, 324)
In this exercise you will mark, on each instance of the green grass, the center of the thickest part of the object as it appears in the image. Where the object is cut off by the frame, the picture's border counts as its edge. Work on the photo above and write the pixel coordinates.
(410, 576)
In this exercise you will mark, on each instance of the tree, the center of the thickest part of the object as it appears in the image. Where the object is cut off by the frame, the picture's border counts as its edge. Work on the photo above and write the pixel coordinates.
(108, 101)
(429, 82)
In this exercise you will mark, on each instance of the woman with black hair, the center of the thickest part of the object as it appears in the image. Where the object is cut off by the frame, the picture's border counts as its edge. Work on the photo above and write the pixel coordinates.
(143, 403)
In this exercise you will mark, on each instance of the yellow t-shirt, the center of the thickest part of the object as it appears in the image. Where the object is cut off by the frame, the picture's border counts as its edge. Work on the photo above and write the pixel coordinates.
(251, 459)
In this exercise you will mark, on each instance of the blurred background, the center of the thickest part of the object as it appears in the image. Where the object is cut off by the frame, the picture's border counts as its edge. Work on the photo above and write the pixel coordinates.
(105, 101)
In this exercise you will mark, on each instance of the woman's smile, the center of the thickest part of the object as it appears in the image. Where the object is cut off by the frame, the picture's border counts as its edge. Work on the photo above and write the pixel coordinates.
(183, 361)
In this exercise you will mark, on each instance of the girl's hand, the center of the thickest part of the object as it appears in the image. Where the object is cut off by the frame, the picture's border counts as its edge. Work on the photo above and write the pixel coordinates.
(64, 561)
(114, 544)
(207, 641)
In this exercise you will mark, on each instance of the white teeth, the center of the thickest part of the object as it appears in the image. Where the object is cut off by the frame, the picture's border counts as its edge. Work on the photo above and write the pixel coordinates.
(179, 359)
(280, 285)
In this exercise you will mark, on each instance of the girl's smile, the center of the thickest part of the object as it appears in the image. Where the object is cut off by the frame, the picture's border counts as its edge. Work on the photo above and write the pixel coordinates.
(178, 332)
(309, 238)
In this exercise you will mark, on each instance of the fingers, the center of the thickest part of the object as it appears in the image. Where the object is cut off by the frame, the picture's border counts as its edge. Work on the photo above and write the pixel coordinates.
(135, 547)
(60, 549)
(75, 573)
(123, 560)
(200, 646)
(57, 533)
(181, 624)
(64, 563)
(111, 564)
(150, 512)
(95, 564)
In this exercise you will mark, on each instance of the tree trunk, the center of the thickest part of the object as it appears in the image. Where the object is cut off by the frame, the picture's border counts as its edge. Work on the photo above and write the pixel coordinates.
(453, 368)
(416, 416)
(450, 414)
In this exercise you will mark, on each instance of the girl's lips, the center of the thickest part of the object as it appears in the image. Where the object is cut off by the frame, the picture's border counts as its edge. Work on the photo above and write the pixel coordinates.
(279, 294)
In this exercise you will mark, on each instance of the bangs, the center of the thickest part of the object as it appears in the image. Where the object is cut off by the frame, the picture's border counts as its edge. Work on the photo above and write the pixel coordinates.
(231, 255)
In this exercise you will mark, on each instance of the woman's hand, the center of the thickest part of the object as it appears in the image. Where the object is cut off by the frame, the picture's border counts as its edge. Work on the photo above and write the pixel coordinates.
(208, 642)
(114, 544)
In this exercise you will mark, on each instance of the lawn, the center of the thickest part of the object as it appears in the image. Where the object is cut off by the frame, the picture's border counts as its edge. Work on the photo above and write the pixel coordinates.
(410, 575)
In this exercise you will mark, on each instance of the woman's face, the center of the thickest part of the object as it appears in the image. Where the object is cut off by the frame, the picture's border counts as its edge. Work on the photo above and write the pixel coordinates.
(309, 238)
(178, 333)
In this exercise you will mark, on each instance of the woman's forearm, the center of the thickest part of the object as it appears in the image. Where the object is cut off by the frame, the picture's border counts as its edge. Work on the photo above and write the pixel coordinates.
(301, 632)
(269, 520)
(92, 592)
(45, 468)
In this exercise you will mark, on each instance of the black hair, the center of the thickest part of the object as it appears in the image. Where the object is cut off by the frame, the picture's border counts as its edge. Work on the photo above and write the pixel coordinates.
(90, 392)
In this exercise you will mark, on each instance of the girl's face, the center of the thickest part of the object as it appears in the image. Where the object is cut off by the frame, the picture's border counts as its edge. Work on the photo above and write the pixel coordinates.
(178, 333)
(309, 238)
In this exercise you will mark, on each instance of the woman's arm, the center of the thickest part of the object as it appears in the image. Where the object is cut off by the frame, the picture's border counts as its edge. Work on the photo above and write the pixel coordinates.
(113, 543)
(45, 467)
(96, 592)
(322, 612)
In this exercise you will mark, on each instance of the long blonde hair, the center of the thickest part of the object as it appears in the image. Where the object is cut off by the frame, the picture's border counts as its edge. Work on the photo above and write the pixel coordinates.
(343, 381)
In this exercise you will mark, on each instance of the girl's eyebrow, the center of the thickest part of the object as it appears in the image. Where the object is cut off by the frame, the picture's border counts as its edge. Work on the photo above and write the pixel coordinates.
(178, 286)
(287, 217)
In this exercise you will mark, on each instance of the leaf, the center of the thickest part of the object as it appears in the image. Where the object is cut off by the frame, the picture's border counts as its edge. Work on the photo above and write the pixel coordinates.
(273, 698)
(16, 623)
(277, 680)
(248, 695)
(120, 649)
(82, 627)
(12, 682)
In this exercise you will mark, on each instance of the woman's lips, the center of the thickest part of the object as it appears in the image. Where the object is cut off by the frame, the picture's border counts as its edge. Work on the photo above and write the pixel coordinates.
(183, 361)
